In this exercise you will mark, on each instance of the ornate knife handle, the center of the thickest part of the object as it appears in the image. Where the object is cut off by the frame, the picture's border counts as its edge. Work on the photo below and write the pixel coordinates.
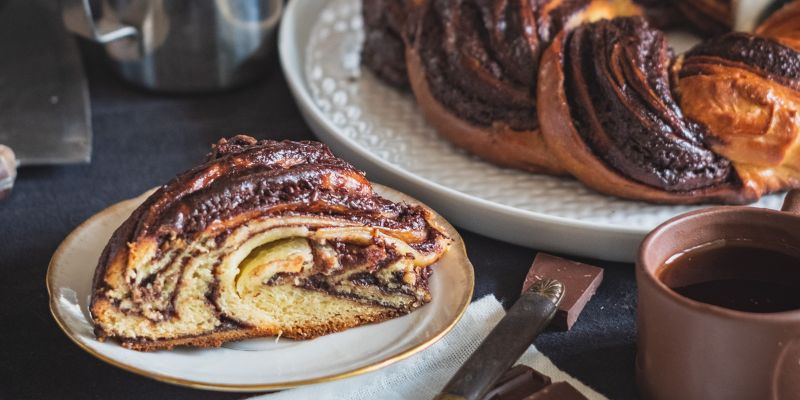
(506, 342)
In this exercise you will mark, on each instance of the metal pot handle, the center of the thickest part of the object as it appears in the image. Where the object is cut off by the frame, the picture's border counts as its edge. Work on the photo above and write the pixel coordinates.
(8, 171)
(78, 18)
(792, 202)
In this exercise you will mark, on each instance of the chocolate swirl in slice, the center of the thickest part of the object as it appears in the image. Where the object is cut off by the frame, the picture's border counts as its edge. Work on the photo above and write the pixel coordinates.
(264, 238)
(243, 177)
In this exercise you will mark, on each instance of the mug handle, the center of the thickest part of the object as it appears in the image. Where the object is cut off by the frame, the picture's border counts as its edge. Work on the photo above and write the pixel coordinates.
(785, 385)
(792, 202)
(79, 19)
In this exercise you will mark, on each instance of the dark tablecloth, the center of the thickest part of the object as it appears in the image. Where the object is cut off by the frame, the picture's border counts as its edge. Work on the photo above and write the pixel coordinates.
(140, 141)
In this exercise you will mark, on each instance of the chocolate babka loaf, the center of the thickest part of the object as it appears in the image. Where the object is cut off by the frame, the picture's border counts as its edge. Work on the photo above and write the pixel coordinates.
(589, 88)
(265, 238)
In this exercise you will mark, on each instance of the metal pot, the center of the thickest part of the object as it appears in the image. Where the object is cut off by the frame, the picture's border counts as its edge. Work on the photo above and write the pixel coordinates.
(180, 45)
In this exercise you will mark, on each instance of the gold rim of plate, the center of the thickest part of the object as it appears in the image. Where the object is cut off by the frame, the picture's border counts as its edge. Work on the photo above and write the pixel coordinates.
(457, 245)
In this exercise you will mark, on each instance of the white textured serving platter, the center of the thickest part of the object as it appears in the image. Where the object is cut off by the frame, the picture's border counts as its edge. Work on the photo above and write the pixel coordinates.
(381, 131)
(256, 364)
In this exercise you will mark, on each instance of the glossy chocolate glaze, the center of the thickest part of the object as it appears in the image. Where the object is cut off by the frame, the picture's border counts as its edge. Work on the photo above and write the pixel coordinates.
(481, 57)
(617, 83)
(384, 49)
(275, 178)
(249, 178)
(761, 55)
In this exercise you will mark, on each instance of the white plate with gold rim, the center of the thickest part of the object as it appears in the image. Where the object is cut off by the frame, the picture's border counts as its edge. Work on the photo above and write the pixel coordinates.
(256, 364)
(381, 131)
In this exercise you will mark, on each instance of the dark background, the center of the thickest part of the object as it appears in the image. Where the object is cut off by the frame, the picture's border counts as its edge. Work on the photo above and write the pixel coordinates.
(140, 141)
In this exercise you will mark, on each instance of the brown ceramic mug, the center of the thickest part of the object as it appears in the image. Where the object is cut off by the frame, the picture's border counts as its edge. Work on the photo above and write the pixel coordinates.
(690, 350)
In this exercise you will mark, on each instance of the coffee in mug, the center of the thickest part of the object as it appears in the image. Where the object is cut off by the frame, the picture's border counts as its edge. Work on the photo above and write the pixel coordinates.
(736, 274)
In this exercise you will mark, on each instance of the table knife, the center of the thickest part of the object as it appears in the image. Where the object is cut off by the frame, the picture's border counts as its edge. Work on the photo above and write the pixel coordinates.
(506, 342)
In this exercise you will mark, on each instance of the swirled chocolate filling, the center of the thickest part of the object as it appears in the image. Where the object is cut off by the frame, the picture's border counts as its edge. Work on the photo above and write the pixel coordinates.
(481, 57)
(281, 178)
(617, 83)
(243, 176)
(763, 56)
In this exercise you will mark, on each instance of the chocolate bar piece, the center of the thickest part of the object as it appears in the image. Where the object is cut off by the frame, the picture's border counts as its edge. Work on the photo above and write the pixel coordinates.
(524, 383)
(517, 383)
(557, 391)
(580, 283)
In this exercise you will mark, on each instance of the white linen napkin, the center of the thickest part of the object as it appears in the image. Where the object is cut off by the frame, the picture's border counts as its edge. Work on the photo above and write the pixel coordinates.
(423, 375)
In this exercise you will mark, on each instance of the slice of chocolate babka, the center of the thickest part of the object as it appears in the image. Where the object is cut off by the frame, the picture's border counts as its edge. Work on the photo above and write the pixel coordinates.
(264, 238)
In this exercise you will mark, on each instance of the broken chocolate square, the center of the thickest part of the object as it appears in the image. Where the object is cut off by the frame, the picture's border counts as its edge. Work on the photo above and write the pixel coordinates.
(524, 383)
(580, 283)
(517, 383)
(557, 391)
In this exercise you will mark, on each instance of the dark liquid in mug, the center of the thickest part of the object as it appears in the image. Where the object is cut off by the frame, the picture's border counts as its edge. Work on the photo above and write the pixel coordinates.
(736, 275)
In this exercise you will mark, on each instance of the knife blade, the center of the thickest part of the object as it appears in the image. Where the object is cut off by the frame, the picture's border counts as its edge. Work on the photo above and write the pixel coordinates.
(506, 342)
(43, 91)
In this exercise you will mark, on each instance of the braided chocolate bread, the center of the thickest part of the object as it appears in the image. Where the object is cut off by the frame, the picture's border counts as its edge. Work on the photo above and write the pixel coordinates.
(591, 89)
(265, 238)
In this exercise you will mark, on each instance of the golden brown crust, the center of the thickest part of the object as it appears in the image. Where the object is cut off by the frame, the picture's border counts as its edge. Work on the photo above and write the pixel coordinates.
(498, 144)
(217, 339)
(749, 102)
(567, 145)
